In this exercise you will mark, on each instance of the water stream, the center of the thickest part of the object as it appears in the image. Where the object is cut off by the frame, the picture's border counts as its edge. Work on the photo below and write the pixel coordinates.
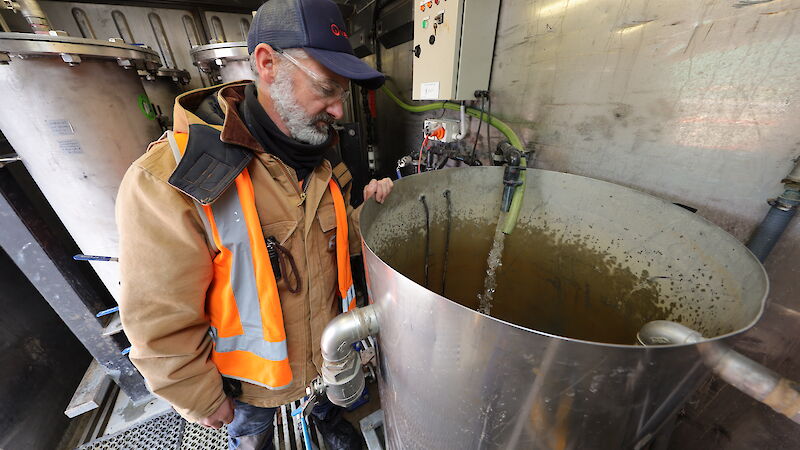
(493, 262)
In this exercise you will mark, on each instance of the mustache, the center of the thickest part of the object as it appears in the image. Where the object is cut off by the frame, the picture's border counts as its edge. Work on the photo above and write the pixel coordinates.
(322, 117)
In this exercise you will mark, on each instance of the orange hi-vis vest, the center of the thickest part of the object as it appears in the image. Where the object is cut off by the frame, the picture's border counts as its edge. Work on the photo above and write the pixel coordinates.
(242, 302)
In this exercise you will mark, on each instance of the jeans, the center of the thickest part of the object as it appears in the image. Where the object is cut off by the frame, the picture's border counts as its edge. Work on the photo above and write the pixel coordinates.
(252, 426)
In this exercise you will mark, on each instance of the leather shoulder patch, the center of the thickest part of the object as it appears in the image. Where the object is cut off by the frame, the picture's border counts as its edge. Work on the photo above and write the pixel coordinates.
(342, 175)
(340, 171)
(208, 166)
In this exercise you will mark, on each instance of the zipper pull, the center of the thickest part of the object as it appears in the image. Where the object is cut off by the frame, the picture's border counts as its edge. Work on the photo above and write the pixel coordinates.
(302, 198)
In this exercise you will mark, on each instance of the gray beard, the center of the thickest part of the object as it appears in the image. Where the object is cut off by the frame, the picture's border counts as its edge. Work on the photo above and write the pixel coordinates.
(303, 128)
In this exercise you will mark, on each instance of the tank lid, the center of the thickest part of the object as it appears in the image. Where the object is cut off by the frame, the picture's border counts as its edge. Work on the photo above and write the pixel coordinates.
(205, 56)
(71, 49)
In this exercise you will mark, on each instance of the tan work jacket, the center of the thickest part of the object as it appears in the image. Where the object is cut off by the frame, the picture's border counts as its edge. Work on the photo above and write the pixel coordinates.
(166, 265)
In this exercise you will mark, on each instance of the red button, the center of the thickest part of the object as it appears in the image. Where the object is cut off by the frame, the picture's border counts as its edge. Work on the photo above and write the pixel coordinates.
(436, 1)
(430, 4)
(422, 7)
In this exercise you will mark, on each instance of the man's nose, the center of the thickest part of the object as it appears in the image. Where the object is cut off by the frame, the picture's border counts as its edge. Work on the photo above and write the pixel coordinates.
(335, 109)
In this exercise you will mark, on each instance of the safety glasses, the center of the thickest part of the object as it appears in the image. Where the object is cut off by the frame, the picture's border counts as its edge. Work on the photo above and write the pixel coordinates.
(326, 87)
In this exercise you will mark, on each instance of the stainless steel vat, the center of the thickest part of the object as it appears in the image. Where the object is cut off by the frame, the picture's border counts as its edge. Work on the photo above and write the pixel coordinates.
(451, 377)
(223, 62)
(75, 111)
(162, 87)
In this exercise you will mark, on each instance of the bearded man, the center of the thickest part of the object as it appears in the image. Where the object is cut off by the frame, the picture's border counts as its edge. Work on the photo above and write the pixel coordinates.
(236, 232)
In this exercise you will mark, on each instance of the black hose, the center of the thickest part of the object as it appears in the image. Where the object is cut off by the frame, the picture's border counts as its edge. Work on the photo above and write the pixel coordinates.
(770, 230)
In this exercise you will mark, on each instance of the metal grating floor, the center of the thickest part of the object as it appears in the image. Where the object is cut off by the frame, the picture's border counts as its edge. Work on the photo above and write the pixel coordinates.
(171, 432)
(162, 432)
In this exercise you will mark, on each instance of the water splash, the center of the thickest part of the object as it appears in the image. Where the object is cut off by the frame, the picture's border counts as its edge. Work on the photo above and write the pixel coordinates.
(493, 262)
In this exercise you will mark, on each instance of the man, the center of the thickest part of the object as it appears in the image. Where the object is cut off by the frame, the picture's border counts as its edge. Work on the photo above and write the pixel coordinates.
(235, 232)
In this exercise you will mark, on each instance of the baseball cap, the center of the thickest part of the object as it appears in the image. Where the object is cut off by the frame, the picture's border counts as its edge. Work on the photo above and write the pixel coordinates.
(317, 27)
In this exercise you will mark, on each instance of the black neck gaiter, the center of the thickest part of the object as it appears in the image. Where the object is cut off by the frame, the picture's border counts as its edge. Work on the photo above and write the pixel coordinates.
(301, 157)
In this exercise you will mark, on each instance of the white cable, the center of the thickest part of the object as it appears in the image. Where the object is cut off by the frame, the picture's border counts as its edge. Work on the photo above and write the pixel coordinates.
(462, 123)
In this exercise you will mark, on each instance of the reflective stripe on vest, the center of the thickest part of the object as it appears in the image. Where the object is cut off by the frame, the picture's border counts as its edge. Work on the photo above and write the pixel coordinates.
(242, 304)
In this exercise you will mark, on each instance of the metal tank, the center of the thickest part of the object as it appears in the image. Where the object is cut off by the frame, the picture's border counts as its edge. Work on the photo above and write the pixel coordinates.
(223, 62)
(161, 88)
(75, 111)
(451, 377)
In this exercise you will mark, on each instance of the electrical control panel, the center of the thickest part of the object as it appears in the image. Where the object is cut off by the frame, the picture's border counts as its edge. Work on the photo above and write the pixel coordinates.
(453, 45)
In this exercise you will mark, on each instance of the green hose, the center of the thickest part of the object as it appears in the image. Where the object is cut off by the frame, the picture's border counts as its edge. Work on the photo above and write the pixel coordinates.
(491, 120)
(513, 139)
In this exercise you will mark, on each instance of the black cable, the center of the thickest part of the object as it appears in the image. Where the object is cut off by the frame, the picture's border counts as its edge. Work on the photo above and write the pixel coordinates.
(427, 236)
(478, 134)
(488, 128)
(446, 195)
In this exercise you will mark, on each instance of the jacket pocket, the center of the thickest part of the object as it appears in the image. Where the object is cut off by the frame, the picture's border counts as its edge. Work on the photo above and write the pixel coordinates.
(282, 231)
(326, 215)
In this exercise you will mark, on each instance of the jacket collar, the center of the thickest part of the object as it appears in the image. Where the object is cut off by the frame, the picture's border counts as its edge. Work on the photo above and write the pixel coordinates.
(233, 130)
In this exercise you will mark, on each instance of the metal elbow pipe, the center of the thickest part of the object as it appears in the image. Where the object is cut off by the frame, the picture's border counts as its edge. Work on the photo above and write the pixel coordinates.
(341, 366)
(346, 329)
(665, 332)
(741, 372)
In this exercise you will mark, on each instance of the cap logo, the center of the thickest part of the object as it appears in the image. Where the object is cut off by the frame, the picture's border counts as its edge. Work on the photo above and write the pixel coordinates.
(338, 31)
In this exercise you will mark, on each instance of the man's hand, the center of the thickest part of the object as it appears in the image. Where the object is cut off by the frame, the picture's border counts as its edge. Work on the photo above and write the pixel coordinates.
(222, 416)
(378, 188)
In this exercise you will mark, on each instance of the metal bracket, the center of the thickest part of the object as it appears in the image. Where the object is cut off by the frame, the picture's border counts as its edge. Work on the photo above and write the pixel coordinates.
(72, 60)
(27, 240)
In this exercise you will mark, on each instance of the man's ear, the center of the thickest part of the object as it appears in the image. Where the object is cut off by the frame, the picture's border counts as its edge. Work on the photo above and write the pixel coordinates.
(265, 63)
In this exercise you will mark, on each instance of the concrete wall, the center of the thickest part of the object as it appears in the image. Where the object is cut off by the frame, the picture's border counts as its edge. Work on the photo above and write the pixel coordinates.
(696, 101)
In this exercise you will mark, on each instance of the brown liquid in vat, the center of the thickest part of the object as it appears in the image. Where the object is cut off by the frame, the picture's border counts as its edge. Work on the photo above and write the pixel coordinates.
(561, 288)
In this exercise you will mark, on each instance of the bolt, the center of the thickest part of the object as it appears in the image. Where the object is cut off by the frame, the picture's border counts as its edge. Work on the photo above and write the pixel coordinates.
(351, 132)
(117, 40)
(71, 59)
(219, 61)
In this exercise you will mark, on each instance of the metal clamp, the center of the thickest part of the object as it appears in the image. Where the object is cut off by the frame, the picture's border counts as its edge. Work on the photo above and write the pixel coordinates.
(778, 203)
